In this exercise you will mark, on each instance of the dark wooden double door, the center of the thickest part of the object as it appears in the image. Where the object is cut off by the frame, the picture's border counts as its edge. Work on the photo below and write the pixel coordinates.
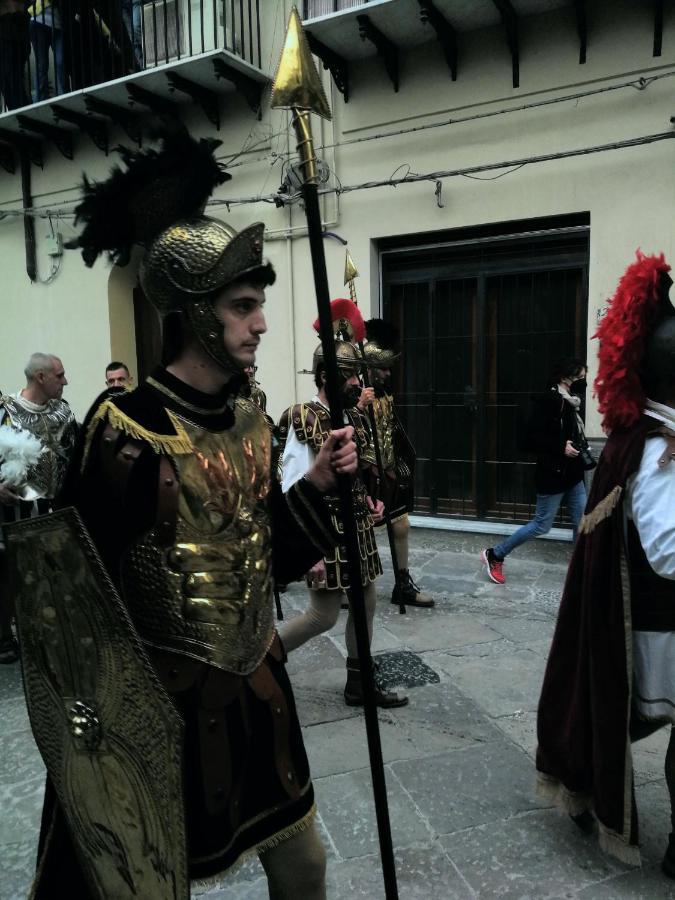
(481, 328)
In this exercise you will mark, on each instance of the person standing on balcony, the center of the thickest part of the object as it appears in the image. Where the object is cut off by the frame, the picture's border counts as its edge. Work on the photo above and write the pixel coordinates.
(46, 31)
(14, 52)
(556, 435)
(132, 15)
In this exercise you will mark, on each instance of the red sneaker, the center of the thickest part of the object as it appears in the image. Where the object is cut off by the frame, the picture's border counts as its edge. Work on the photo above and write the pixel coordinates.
(494, 566)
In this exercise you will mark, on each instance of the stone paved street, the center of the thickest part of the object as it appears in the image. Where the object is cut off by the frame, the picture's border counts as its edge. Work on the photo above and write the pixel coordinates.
(459, 758)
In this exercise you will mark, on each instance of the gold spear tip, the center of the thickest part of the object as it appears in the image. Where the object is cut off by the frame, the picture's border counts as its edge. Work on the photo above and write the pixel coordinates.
(297, 83)
(351, 272)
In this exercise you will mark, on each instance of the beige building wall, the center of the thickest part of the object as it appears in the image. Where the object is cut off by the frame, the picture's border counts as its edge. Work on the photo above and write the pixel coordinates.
(86, 315)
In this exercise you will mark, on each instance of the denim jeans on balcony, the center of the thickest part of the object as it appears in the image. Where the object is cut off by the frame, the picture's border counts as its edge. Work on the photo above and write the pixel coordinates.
(546, 510)
(43, 36)
(131, 16)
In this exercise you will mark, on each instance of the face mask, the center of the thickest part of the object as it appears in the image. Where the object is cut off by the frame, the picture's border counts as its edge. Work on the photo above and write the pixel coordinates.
(578, 387)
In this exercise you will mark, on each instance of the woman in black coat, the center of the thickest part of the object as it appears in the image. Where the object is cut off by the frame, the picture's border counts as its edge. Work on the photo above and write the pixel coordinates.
(555, 433)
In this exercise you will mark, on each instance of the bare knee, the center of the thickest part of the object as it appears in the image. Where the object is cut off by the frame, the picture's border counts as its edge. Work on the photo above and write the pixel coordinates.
(297, 867)
(401, 527)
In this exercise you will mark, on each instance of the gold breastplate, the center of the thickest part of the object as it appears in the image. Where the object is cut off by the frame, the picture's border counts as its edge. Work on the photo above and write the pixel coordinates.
(210, 595)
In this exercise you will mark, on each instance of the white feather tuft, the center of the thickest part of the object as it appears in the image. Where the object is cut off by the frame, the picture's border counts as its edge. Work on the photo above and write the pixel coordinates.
(19, 451)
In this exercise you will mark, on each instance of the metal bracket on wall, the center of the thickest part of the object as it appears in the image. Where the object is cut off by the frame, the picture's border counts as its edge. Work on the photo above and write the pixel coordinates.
(250, 89)
(7, 158)
(21, 142)
(658, 27)
(118, 115)
(95, 128)
(62, 139)
(445, 33)
(333, 61)
(510, 20)
(203, 97)
(157, 104)
(582, 28)
(385, 48)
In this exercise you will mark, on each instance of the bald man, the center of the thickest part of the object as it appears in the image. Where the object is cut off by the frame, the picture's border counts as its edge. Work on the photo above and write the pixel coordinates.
(40, 410)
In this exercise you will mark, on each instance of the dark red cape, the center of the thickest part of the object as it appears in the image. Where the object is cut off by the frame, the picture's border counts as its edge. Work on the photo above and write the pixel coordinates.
(584, 756)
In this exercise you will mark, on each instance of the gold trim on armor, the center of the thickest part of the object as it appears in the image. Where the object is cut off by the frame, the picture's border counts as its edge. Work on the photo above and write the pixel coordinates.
(178, 444)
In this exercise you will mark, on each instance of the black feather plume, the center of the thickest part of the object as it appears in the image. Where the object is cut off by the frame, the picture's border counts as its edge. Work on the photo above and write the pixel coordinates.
(383, 333)
(155, 189)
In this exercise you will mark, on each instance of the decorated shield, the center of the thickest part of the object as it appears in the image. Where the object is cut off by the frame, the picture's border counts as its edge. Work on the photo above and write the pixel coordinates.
(108, 733)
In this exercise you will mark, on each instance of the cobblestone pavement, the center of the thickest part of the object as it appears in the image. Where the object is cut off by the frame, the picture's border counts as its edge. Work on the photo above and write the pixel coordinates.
(459, 758)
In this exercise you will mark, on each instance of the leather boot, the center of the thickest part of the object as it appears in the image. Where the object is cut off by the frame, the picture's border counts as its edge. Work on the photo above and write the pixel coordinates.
(412, 595)
(354, 690)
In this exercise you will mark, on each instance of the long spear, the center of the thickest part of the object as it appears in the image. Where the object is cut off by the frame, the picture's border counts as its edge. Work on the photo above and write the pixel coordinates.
(351, 274)
(297, 87)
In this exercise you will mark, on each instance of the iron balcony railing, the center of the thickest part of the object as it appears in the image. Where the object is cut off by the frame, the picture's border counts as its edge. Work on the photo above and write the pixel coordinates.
(53, 47)
(312, 9)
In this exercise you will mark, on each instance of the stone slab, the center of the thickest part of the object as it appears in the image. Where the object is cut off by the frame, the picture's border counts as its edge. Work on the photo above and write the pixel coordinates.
(648, 883)
(19, 757)
(463, 788)
(318, 653)
(422, 873)
(540, 855)
(21, 805)
(348, 812)
(18, 866)
(501, 685)
(11, 685)
(435, 629)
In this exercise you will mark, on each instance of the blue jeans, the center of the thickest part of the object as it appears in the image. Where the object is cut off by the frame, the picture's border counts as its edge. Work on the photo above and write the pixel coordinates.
(42, 37)
(544, 515)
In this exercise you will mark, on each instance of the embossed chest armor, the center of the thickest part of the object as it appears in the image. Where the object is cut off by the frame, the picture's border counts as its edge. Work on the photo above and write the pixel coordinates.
(383, 409)
(54, 427)
(209, 596)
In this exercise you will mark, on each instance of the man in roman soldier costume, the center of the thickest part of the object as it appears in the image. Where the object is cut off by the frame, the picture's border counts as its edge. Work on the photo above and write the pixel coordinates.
(37, 437)
(610, 678)
(395, 485)
(302, 431)
(154, 675)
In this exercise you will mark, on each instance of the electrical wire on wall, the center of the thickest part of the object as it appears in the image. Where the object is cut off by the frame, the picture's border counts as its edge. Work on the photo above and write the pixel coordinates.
(513, 165)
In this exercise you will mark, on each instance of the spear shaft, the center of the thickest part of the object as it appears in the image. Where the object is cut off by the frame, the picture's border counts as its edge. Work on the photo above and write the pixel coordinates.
(380, 470)
(310, 195)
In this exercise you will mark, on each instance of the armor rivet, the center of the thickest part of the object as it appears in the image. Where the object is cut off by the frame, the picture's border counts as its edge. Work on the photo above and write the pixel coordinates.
(213, 724)
(168, 482)
(290, 776)
(212, 335)
(173, 673)
(107, 440)
(127, 455)
(278, 710)
(166, 524)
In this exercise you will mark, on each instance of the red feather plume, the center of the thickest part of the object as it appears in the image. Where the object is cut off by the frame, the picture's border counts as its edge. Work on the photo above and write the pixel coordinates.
(345, 312)
(633, 313)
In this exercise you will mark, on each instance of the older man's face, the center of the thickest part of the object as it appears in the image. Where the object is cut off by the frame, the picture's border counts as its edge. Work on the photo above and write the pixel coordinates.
(54, 381)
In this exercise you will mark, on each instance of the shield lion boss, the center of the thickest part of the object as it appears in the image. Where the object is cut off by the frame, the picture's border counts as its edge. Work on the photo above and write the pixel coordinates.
(109, 735)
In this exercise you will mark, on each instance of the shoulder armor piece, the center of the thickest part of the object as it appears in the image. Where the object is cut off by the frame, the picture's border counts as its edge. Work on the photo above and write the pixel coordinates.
(311, 423)
(176, 444)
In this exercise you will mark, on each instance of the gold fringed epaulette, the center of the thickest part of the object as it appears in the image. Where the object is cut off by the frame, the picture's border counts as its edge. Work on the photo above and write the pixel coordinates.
(602, 511)
(178, 444)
